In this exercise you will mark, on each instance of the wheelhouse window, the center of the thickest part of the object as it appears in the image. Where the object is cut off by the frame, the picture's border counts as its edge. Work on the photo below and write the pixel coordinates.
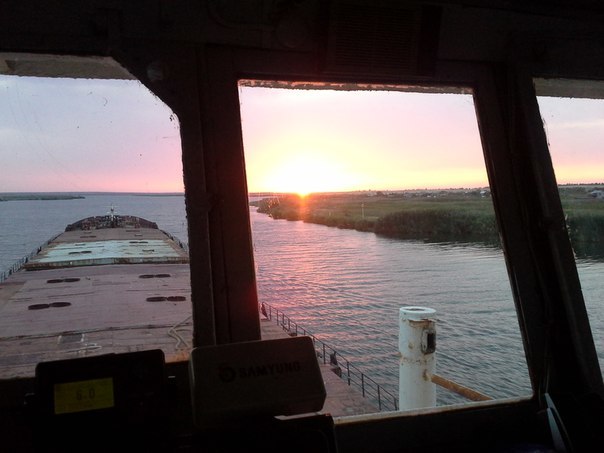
(101, 158)
(573, 118)
(369, 203)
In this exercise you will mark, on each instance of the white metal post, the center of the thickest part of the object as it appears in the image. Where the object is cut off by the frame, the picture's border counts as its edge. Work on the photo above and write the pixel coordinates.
(417, 361)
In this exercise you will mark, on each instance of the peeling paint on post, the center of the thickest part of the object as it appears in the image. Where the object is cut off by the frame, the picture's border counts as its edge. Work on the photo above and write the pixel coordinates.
(417, 346)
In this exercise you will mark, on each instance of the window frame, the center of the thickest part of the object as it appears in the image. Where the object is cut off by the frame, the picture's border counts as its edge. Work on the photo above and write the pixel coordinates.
(538, 255)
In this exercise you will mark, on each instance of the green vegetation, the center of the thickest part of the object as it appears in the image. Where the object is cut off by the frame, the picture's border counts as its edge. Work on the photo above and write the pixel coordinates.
(584, 210)
(451, 215)
(441, 225)
(436, 216)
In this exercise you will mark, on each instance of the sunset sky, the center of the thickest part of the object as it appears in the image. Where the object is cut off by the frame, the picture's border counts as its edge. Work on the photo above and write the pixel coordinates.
(114, 135)
(76, 135)
(327, 140)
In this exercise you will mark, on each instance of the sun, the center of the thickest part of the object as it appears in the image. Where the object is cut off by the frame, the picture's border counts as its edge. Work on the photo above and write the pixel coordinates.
(305, 174)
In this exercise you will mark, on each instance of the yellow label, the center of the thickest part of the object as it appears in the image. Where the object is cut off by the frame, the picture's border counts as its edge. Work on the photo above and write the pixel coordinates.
(84, 395)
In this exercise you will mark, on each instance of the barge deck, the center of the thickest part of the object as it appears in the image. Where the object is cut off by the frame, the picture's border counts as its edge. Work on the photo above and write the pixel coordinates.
(97, 289)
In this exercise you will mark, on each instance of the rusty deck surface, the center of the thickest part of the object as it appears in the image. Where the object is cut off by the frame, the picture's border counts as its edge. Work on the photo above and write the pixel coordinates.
(96, 292)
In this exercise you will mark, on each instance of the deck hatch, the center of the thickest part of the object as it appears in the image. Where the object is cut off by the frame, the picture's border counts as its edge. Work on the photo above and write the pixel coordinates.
(52, 304)
(166, 298)
(71, 338)
(62, 280)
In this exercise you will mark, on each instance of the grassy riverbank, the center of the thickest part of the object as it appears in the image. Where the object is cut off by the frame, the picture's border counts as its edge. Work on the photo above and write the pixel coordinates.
(444, 215)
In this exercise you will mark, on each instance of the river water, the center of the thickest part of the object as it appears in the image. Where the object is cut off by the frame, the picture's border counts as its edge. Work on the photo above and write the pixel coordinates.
(346, 287)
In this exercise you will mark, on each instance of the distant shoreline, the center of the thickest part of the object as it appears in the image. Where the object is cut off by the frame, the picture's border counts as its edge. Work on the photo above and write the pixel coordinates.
(38, 196)
(44, 196)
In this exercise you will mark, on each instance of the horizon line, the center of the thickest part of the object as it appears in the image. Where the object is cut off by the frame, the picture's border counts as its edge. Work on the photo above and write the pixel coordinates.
(270, 192)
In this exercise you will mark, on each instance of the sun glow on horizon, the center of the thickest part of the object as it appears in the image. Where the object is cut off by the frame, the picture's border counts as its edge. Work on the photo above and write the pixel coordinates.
(309, 172)
(311, 141)
(299, 177)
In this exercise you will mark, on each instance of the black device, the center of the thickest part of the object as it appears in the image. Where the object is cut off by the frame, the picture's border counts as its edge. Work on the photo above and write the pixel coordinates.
(101, 402)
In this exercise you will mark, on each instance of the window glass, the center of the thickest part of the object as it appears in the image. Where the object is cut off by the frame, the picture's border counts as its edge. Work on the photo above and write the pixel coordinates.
(74, 149)
(574, 125)
(369, 204)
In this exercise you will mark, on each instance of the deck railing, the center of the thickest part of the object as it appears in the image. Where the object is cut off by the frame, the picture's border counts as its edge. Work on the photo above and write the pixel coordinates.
(181, 244)
(382, 398)
(19, 263)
